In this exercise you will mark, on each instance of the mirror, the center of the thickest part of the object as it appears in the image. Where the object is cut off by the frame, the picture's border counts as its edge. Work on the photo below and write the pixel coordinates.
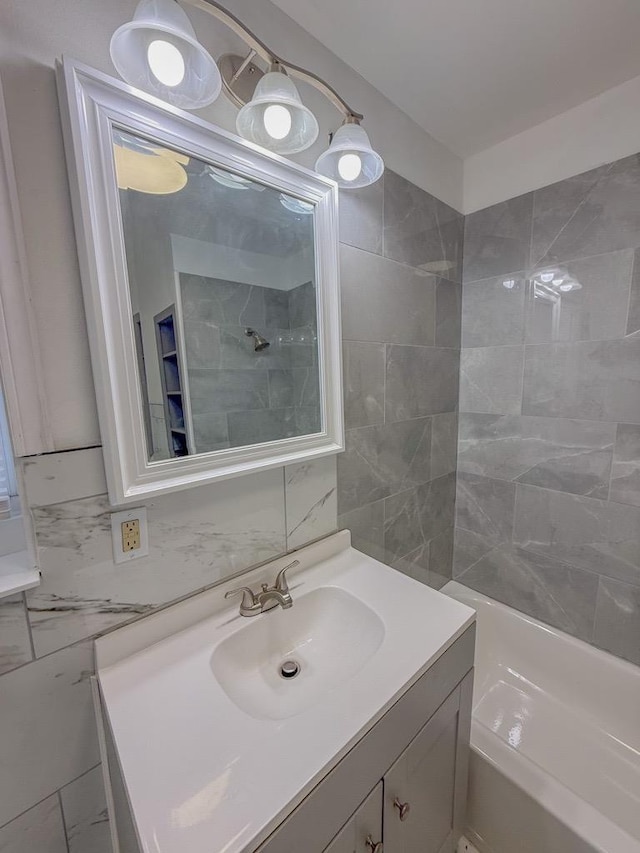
(210, 280)
(221, 275)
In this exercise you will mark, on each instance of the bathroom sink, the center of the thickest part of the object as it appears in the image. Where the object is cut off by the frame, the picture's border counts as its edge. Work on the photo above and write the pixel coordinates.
(324, 639)
(216, 748)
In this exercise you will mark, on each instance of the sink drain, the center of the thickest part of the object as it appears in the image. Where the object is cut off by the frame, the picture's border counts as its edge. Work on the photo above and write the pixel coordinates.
(289, 669)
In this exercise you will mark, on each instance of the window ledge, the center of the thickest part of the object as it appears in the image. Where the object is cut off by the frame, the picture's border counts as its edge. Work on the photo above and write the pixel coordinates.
(17, 573)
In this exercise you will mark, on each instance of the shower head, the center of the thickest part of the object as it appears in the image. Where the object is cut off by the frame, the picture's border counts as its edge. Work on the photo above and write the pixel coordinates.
(259, 343)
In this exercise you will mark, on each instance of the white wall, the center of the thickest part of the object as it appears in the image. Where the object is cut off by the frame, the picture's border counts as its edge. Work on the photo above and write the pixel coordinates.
(598, 131)
(32, 35)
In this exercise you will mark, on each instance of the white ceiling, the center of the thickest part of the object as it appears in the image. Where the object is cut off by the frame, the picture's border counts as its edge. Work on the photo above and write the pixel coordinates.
(475, 72)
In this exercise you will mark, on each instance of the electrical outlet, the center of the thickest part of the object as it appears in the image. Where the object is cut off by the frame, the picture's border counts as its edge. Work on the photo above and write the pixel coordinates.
(129, 534)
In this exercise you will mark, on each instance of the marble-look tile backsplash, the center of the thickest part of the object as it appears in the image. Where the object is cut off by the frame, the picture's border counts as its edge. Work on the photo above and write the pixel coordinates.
(548, 501)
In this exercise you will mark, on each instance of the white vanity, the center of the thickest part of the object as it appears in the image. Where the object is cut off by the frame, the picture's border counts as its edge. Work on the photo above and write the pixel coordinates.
(212, 750)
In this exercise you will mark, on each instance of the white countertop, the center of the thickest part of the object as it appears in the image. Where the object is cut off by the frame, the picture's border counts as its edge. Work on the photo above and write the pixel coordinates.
(204, 776)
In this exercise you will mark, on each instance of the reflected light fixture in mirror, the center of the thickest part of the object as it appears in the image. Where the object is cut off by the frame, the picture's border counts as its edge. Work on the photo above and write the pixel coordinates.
(146, 168)
(158, 52)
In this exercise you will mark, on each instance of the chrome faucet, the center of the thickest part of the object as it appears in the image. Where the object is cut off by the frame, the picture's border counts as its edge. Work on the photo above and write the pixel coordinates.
(269, 597)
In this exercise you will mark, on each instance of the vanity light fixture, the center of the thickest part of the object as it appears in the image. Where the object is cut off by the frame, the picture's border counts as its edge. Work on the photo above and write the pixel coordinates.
(350, 160)
(275, 117)
(158, 52)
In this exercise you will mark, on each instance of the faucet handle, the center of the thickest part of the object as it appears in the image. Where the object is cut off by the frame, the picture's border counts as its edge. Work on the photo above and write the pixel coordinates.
(248, 598)
(281, 581)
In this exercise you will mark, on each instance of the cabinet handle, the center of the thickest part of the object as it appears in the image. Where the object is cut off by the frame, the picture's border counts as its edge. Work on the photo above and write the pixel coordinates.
(403, 808)
(373, 847)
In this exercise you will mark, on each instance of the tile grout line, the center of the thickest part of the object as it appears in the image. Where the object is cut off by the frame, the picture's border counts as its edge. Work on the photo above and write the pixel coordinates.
(64, 820)
(29, 628)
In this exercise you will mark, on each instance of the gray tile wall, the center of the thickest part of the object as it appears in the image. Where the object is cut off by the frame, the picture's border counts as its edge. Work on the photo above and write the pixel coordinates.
(240, 396)
(401, 303)
(548, 497)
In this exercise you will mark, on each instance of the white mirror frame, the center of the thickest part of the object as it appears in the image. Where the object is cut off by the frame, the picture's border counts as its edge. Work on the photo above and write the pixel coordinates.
(91, 104)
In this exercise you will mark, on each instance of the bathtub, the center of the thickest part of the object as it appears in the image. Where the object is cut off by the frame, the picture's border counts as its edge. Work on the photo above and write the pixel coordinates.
(555, 739)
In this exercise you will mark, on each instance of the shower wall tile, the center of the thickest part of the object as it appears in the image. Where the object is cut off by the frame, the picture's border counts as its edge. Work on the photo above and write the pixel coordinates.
(361, 217)
(588, 380)
(311, 500)
(47, 729)
(548, 590)
(420, 230)
(420, 381)
(633, 319)
(565, 440)
(367, 529)
(85, 813)
(281, 388)
(15, 644)
(401, 320)
(444, 435)
(448, 313)
(491, 380)
(385, 301)
(599, 536)
(228, 390)
(485, 507)
(597, 311)
(625, 472)
(617, 623)
(364, 368)
(39, 830)
(555, 206)
(302, 306)
(493, 311)
(441, 559)
(415, 517)
(265, 425)
(221, 303)
(202, 344)
(468, 548)
(209, 533)
(606, 219)
(564, 455)
(237, 350)
(381, 460)
(210, 432)
(415, 564)
(496, 239)
(276, 308)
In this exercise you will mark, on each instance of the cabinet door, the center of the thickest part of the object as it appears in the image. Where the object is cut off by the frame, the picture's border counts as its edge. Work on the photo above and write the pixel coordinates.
(365, 824)
(420, 788)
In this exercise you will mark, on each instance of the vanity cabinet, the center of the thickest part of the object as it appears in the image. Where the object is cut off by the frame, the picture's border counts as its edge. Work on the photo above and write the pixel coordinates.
(363, 831)
(404, 783)
(413, 809)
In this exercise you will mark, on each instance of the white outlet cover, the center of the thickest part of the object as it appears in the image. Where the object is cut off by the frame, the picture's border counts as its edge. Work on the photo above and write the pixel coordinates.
(117, 519)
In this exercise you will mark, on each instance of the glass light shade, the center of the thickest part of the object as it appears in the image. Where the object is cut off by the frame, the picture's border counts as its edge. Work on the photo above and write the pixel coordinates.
(159, 53)
(157, 171)
(339, 161)
(275, 95)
